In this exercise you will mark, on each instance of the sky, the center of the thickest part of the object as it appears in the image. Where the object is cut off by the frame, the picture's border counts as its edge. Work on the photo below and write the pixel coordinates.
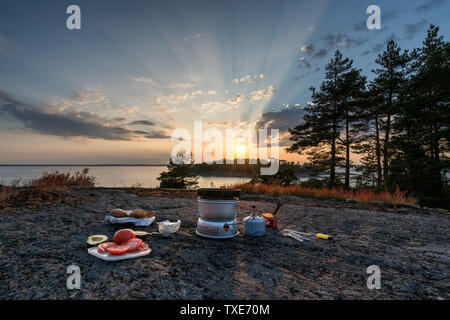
(114, 91)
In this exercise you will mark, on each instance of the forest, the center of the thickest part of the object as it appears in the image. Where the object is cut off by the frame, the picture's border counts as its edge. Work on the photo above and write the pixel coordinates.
(396, 125)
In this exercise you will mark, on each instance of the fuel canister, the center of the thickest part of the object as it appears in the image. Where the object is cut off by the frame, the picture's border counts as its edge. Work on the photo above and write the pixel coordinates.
(270, 221)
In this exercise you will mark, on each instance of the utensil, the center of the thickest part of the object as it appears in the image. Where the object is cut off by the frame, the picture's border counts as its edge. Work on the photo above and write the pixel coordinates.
(304, 235)
(153, 234)
(299, 236)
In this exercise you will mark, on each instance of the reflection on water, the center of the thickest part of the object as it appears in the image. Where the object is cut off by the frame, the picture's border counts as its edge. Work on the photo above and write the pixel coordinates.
(105, 176)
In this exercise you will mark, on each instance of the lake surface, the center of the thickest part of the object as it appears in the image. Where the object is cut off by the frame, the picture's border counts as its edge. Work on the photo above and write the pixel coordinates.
(113, 176)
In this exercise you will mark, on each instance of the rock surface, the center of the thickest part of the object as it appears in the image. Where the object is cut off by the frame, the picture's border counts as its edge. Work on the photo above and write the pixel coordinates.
(37, 245)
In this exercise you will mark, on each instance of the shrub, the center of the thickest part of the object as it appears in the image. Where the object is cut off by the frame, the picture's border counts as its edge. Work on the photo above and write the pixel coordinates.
(364, 195)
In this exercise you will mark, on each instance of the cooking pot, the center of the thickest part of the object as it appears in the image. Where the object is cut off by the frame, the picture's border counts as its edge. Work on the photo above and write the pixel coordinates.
(217, 210)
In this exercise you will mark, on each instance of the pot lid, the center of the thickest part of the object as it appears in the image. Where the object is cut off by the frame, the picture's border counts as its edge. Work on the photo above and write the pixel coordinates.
(215, 193)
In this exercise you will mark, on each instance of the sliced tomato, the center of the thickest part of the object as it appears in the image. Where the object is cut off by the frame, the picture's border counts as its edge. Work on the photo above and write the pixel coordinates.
(132, 244)
(117, 250)
(143, 247)
(103, 247)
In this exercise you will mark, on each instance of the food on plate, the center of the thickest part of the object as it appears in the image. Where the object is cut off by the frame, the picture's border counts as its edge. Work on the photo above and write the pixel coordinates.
(103, 247)
(131, 245)
(118, 213)
(96, 239)
(123, 235)
(117, 250)
(138, 213)
(150, 214)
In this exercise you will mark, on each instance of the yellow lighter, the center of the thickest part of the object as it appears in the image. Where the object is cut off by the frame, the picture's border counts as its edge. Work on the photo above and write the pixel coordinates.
(323, 236)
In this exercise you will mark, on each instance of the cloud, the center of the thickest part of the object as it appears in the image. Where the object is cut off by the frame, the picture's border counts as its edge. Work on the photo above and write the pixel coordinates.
(304, 63)
(88, 96)
(142, 123)
(411, 29)
(65, 123)
(149, 81)
(176, 99)
(236, 99)
(263, 93)
(342, 40)
(186, 85)
(380, 46)
(320, 53)
(430, 5)
(282, 120)
(195, 36)
(158, 134)
(248, 78)
(309, 48)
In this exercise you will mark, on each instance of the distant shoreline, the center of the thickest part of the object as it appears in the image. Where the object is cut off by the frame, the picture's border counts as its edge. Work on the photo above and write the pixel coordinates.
(83, 165)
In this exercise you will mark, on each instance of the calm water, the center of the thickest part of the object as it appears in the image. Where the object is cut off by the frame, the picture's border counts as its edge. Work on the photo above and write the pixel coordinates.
(111, 176)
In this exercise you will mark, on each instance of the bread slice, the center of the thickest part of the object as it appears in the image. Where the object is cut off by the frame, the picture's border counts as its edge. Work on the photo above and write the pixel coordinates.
(138, 213)
(118, 213)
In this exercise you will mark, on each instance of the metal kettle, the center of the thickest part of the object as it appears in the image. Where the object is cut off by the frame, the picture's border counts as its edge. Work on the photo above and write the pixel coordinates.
(254, 225)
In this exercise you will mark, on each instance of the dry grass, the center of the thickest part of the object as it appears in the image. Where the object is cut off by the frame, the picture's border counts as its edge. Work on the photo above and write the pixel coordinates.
(368, 196)
(58, 179)
(51, 185)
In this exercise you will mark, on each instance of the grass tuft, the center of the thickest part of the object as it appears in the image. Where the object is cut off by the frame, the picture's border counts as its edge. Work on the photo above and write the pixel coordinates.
(51, 185)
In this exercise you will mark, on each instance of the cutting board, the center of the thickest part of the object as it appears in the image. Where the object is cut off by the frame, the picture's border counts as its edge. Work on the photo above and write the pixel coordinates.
(111, 257)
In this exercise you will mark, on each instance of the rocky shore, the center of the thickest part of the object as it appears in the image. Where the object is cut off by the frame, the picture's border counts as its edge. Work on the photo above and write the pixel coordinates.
(38, 243)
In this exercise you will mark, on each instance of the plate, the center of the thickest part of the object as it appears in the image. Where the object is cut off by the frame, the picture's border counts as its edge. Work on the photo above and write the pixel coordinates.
(111, 257)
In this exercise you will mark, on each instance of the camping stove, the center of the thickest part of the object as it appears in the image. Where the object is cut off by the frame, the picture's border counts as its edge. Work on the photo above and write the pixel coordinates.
(217, 213)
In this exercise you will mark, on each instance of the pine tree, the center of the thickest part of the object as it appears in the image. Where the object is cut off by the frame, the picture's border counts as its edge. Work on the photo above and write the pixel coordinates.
(368, 142)
(318, 135)
(422, 126)
(179, 174)
(352, 87)
(390, 78)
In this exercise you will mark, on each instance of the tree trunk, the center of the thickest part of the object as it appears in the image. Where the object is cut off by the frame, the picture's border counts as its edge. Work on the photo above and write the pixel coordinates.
(347, 155)
(333, 158)
(386, 150)
(378, 153)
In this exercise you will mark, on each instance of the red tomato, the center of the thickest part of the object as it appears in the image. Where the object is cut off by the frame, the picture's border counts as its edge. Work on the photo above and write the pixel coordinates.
(143, 247)
(132, 244)
(103, 247)
(123, 235)
(117, 250)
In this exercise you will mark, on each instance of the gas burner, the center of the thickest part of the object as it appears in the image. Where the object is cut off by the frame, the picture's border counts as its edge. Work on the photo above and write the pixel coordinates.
(217, 213)
(217, 229)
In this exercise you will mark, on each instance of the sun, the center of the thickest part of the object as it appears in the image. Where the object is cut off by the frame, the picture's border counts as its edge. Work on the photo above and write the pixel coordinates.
(240, 149)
